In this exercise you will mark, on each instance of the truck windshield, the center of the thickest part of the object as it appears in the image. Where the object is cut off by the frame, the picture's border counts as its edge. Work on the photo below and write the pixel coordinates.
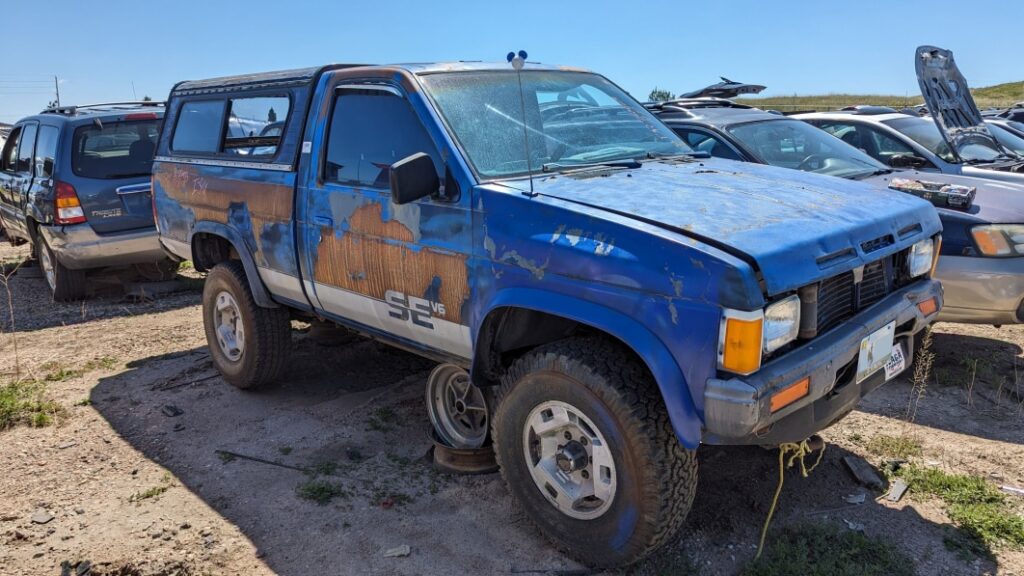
(926, 133)
(115, 150)
(564, 119)
(796, 144)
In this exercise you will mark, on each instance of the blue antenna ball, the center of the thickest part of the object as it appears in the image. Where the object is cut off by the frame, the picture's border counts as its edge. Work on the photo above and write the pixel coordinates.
(522, 54)
(511, 56)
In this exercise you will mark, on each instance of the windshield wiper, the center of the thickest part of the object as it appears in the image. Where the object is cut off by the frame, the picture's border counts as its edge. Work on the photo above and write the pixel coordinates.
(552, 166)
(878, 172)
(677, 155)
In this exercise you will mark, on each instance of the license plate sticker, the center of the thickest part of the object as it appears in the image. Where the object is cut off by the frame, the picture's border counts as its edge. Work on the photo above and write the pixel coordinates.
(897, 362)
(875, 351)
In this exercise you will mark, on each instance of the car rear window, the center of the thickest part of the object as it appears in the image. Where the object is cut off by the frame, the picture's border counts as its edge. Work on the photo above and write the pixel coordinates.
(117, 150)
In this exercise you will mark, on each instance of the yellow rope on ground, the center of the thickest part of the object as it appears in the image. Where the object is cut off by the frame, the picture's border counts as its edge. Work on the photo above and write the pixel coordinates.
(799, 452)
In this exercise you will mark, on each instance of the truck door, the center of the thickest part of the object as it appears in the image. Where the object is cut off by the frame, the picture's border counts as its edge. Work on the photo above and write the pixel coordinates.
(397, 269)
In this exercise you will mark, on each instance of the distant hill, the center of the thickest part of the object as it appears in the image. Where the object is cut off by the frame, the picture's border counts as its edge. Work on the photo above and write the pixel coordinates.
(1000, 95)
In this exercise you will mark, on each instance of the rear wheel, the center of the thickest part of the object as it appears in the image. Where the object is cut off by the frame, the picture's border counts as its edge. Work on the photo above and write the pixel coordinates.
(248, 343)
(586, 448)
(65, 284)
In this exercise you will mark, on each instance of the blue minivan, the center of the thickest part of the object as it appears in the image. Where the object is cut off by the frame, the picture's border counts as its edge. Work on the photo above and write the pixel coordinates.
(75, 182)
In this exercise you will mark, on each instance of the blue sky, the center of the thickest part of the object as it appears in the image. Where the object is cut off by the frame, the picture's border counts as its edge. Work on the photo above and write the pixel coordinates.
(98, 49)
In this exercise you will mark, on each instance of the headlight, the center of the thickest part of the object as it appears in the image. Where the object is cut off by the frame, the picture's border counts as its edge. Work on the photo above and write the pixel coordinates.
(999, 239)
(781, 323)
(746, 336)
(922, 254)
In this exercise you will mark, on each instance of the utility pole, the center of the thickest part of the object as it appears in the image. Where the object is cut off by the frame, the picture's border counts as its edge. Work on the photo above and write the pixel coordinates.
(56, 86)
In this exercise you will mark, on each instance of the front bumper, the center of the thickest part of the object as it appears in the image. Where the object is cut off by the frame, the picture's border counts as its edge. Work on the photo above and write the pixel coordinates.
(982, 290)
(737, 410)
(79, 247)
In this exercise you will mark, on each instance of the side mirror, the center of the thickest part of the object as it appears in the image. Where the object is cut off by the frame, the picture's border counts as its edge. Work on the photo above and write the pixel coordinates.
(413, 177)
(907, 161)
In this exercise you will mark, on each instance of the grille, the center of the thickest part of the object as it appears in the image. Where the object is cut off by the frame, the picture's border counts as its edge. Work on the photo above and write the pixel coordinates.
(835, 300)
(840, 297)
(874, 286)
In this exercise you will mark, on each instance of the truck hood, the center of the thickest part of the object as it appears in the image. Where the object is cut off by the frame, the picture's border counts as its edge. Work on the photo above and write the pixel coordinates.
(794, 227)
(948, 98)
(994, 201)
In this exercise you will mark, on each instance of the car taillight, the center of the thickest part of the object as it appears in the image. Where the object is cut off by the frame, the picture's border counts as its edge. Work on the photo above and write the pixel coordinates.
(67, 208)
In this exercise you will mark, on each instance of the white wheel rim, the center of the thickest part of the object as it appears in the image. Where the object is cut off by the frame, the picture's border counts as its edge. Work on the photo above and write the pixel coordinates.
(456, 407)
(569, 460)
(228, 326)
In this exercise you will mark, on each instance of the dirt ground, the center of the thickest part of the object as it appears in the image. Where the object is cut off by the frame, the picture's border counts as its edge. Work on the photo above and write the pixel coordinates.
(147, 470)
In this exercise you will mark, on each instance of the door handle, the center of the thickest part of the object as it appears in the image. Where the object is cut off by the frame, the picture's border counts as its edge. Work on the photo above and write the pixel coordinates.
(323, 221)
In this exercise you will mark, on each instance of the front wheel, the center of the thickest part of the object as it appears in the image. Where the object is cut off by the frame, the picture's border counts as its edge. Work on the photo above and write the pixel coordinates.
(586, 448)
(65, 284)
(248, 344)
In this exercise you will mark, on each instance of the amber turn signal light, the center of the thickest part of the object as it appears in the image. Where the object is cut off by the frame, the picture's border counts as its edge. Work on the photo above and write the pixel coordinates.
(791, 393)
(928, 307)
(741, 343)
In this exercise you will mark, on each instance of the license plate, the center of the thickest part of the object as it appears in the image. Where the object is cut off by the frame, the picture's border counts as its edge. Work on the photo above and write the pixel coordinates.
(897, 362)
(875, 351)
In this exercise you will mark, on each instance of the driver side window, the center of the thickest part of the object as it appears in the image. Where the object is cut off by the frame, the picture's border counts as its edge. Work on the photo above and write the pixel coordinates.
(888, 147)
(372, 128)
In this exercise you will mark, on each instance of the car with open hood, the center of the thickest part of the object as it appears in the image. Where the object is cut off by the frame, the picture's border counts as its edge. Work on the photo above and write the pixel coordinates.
(602, 298)
(980, 267)
(954, 139)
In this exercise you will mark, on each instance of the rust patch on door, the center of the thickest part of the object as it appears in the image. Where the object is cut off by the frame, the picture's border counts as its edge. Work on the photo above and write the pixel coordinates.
(372, 257)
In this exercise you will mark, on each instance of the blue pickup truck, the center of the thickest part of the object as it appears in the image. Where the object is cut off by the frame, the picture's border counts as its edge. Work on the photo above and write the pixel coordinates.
(603, 298)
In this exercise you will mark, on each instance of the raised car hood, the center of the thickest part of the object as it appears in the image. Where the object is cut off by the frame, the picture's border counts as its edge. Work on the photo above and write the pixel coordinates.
(948, 98)
(795, 227)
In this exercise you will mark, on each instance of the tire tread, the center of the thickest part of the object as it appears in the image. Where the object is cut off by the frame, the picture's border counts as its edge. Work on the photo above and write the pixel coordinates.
(627, 389)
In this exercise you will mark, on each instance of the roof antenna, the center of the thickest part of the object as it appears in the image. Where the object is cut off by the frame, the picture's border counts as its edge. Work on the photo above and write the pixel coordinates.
(517, 60)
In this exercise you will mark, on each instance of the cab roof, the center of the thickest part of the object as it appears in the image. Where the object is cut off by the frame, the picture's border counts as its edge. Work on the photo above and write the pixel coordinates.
(305, 76)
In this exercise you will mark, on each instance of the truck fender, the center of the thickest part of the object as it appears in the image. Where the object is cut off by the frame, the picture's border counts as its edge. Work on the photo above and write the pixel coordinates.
(259, 291)
(662, 365)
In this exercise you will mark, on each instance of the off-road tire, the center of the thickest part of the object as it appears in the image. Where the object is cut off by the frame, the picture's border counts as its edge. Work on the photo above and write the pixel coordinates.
(158, 271)
(657, 476)
(68, 285)
(267, 330)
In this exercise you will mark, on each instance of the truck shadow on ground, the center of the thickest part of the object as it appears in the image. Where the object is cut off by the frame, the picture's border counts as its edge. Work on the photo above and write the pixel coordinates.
(111, 294)
(348, 427)
(976, 388)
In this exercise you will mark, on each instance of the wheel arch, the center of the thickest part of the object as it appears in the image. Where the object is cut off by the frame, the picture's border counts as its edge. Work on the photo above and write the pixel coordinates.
(213, 242)
(559, 315)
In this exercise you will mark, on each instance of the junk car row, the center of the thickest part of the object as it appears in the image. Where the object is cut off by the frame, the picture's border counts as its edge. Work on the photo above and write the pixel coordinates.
(605, 284)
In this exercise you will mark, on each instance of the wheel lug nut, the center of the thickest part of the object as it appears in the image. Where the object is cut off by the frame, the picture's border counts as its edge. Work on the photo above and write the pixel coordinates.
(568, 435)
(583, 440)
(585, 474)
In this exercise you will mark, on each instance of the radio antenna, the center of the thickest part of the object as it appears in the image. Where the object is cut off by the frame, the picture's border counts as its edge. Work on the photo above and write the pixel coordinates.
(517, 60)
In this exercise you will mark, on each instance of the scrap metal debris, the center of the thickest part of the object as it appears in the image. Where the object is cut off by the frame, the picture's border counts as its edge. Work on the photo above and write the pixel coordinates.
(855, 526)
(897, 490)
(863, 472)
(854, 498)
(1012, 490)
(398, 552)
(171, 411)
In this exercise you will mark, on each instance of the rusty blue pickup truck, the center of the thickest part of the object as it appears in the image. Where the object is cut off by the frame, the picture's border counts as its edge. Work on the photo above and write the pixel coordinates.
(600, 297)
